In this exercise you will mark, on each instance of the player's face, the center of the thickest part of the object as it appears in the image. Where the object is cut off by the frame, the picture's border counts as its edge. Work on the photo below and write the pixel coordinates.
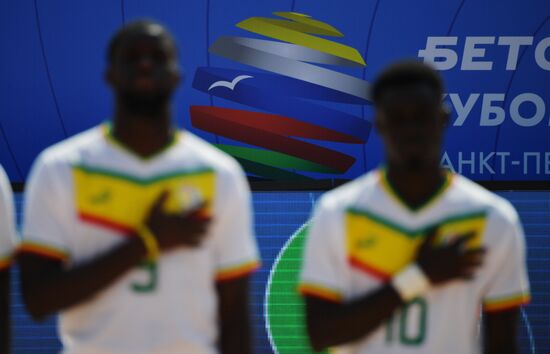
(145, 70)
(412, 129)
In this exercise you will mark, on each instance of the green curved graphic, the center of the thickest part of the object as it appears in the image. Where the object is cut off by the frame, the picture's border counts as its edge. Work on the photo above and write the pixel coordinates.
(274, 158)
(270, 172)
(284, 306)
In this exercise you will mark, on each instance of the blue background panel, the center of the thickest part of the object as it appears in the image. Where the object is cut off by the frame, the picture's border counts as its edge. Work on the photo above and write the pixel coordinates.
(279, 214)
(52, 72)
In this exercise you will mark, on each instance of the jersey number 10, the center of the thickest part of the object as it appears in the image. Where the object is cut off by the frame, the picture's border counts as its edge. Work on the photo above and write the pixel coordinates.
(411, 328)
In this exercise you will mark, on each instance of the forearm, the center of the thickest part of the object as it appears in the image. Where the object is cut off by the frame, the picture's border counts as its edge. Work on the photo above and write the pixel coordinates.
(500, 332)
(235, 336)
(507, 345)
(234, 316)
(47, 291)
(337, 324)
(5, 332)
(511, 350)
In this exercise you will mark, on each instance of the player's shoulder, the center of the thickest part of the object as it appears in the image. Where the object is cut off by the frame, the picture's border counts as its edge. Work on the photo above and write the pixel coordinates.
(347, 195)
(210, 156)
(4, 181)
(475, 196)
(6, 194)
(67, 151)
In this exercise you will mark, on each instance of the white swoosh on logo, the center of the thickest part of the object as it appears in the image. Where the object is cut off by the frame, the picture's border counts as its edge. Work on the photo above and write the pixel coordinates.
(230, 85)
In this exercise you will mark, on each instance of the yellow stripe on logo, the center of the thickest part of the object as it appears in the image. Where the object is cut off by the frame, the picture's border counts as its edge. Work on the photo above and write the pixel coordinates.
(296, 30)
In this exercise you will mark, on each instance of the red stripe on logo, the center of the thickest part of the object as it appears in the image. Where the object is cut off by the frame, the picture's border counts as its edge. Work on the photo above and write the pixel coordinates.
(271, 132)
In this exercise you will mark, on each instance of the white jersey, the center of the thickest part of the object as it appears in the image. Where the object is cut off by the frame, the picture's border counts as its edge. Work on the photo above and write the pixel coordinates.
(7, 221)
(88, 193)
(362, 234)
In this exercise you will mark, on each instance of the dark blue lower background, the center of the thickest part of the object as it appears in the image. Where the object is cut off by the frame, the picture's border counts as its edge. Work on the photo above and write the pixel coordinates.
(279, 214)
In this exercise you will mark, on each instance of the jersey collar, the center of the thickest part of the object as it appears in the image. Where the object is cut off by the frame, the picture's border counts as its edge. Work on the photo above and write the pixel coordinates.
(110, 138)
(392, 192)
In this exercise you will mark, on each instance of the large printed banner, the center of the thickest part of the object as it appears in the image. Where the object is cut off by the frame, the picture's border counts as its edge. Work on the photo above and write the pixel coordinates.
(283, 85)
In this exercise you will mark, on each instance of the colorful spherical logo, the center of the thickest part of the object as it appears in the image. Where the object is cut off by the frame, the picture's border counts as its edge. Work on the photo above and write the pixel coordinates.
(282, 139)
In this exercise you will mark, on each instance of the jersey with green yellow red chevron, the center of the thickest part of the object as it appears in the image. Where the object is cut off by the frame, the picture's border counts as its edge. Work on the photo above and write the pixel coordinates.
(120, 202)
(381, 247)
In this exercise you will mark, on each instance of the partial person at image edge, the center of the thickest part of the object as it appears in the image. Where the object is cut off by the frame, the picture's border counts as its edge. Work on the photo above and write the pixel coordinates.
(8, 243)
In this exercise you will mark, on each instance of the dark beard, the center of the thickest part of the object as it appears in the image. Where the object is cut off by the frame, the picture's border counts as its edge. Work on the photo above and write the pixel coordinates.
(147, 105)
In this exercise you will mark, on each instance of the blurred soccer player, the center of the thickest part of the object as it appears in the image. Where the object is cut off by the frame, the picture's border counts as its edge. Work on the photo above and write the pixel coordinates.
(7, 247)
(403, 259)
(140, 235)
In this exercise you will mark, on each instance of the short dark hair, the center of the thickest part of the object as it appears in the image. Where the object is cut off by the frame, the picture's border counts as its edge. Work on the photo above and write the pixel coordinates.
(403, 74)
(132, 28)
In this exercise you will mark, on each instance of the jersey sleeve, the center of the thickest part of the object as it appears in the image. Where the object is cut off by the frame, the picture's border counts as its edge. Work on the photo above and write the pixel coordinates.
(45, 230)
(7, 222)
(324, 270)
(236, 249)
(508, 283)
